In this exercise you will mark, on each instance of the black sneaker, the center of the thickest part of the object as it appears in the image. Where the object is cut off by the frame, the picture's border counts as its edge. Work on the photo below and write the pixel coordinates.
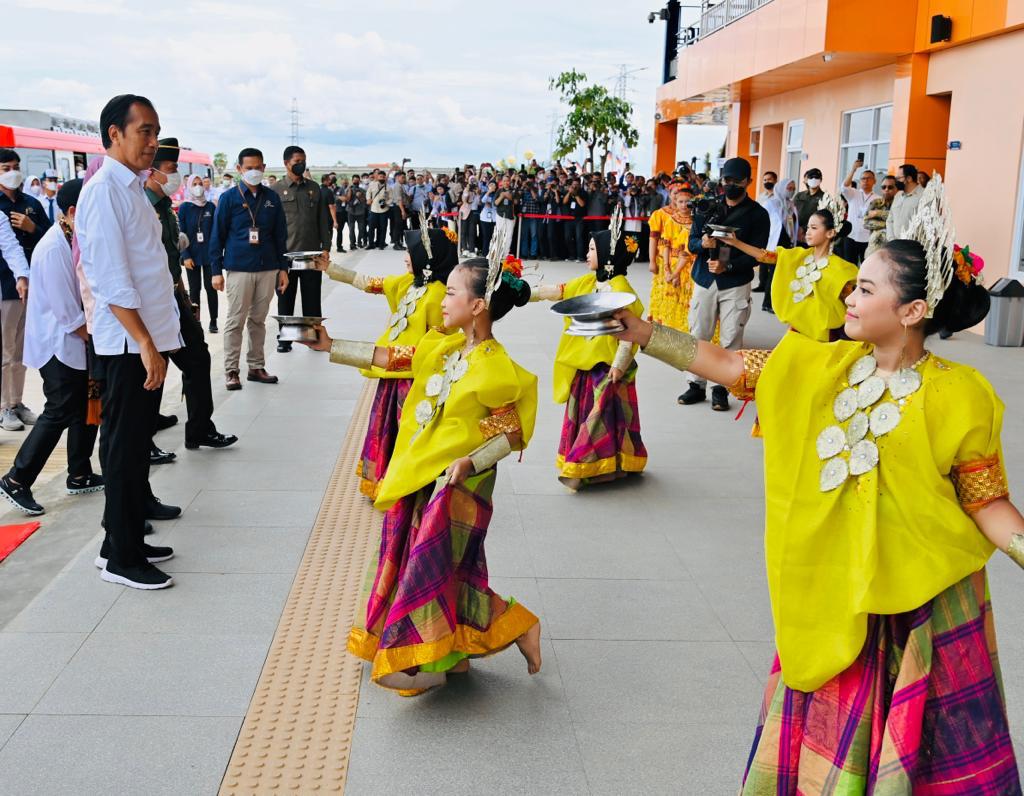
(214, 439)
(83, 484)
(166, 421)
(213, 327)
(284, 347)
(20, 497)
(720, 399)
(694, 395)
(154, 555)
(757, 289)
(156, 510)
(143, 576)
(158, 456)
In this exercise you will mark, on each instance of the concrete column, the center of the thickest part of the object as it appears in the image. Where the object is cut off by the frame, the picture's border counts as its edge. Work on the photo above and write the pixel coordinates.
(665, 135)
(920, 122)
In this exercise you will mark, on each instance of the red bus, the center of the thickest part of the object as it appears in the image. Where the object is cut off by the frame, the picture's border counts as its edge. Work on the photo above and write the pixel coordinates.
(69, 153)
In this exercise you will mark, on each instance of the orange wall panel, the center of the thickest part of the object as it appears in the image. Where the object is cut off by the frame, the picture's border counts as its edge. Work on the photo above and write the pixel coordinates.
(766, 50)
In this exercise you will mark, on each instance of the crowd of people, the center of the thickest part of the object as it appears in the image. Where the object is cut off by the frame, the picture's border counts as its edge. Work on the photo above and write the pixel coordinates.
(886, 673)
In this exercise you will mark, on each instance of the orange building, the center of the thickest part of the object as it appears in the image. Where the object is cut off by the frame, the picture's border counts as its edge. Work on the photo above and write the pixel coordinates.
(805, 83)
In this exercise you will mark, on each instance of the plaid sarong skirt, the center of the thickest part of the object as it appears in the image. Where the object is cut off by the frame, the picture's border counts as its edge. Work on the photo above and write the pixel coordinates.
(921, 711)
(601, 430)
(428, 602)
(381, 433)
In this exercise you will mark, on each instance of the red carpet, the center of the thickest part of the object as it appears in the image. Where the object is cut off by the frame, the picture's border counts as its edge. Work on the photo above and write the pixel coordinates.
(13, 535)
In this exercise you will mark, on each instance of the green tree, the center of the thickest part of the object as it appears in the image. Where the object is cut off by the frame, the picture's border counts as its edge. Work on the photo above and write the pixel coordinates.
(596, 117)
(220, 162)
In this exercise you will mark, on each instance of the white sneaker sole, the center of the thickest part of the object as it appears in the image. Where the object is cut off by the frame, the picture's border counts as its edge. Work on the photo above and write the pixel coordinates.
(9, 427)
(19, 507)
(85, 490)
(101, 562)
(122, 581)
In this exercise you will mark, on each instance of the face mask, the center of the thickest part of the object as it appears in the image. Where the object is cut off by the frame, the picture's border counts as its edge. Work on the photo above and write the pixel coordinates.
(813, 182)
(12, 180)
(226, 183)
(197, 191)
(34, 190)
(51, 186)
(299, 168)
(734, 192)
(769, 186)
(790, 192)
(172, 185)
(252, 177)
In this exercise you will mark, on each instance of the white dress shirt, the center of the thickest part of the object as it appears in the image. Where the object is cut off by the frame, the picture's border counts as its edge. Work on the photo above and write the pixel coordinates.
(54, 308)
(858, 204)
(11, 250)
(46, 201)
(125, 261)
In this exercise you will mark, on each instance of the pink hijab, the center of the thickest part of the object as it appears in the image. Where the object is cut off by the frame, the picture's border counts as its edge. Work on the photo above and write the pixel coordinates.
(88, 301)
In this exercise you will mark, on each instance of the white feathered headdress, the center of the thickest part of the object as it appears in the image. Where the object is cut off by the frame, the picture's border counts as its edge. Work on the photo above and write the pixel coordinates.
(932, 227)
(835, 206)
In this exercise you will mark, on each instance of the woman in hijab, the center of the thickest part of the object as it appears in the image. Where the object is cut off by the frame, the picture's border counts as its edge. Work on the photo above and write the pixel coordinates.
(785, 222)
(195, 217)
(32, 186)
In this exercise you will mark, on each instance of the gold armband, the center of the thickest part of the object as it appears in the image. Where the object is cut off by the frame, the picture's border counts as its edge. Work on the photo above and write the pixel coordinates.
(753, 363)
(341, 274)
(980, 482)
(548, 293)
(672, 347)
(400, 357)
(623, 356)
(352, 352)
(501, 421)
(1016, 549)
(490, 453)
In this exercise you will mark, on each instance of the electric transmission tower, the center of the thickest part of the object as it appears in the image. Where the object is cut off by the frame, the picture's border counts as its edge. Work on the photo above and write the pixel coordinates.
(623, 78)
(295, 122)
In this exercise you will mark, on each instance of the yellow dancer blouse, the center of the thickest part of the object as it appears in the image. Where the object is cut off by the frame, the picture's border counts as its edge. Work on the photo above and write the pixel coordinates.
(670, 304)
(810, 294)
(424, 316)
(839, 545)
(487, 394)
(583, 353)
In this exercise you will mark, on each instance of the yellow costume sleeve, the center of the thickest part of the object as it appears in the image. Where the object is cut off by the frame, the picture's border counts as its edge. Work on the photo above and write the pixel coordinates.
(655, 222)
(424, 351)
(754, 361)
(511, 397)
(394, 287)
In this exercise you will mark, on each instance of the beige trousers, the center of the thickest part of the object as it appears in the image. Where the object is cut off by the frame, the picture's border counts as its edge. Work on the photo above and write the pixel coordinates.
(249, 295)
(12, 321)
(730, 306)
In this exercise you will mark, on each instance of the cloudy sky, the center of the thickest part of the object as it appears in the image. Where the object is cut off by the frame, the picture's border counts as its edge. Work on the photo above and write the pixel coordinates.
(438, 81)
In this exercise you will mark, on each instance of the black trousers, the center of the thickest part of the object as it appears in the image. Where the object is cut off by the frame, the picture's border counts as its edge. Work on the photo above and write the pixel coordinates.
(378, 228)
(855, 251)
(342, 220)
(356, 231)
(67, 394)
(128, 417)
(575, 240)
(467, 232)
(397, 227)
(202, 275)
(312, 284)
(193, 360)
(486, 233)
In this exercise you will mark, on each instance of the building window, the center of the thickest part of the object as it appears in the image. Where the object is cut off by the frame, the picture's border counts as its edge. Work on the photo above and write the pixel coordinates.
(755, 142)
(867, 131)
(794, 149)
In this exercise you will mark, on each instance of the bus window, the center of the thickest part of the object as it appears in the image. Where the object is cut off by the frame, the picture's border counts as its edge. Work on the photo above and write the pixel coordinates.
(64, 169)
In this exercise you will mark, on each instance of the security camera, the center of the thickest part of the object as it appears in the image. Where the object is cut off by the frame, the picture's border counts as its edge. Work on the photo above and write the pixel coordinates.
(657, 117)
(651, 17)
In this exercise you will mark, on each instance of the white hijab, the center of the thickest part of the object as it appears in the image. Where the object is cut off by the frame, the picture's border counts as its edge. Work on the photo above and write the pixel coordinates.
(783, 214)
(196, 200)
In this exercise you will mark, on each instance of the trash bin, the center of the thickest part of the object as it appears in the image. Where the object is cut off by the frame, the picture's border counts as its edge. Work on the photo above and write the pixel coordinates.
(1004, 325)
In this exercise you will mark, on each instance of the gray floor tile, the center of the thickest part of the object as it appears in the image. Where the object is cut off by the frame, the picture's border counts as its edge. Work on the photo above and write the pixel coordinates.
(141, 674)
(706, 759)
(29, 664)
(226, 549)
(117, 754)
(431, 756)
(9, 722)
(655, 610)
(507, 551)
(225, 470)
(738, 595)
(760, 655)
(75, 602)
(537, 479)
(203, 603)
(657, 682)
(262, 507)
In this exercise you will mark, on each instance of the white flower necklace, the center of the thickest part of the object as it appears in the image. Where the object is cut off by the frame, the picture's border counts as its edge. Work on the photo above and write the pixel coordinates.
(806, 275)
(400, 319)
(853, 450)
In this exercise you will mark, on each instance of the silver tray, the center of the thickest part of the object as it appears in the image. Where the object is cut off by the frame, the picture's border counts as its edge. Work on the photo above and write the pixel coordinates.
(298, 320)
(304, 260)
(578, 328)
(297, 334)
(721, 230)
(593, 306)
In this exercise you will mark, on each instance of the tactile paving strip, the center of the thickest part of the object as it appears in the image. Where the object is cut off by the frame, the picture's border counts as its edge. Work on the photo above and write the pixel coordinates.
(297, 734)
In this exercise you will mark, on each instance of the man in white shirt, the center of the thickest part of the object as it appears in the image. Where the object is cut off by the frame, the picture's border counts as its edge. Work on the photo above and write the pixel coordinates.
(48, 196)
(905, 204)
(857, 199)
(134, 326)
(55, 341)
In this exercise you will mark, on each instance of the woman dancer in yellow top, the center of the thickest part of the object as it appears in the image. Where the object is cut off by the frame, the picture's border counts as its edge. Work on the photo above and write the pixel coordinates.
(430, 608)
(810, 285)
(670, 260)
(886, 496)
(414, 299)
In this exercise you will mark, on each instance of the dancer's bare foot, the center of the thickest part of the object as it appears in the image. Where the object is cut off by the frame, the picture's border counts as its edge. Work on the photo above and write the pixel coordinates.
(461, 667)
(529, 645)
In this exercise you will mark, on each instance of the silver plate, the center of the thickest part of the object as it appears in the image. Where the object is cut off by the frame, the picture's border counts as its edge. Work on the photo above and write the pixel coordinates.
(307, 255)
(594, 328)
(593, 306)
(297, 334)
(298, 320)
(721, 230)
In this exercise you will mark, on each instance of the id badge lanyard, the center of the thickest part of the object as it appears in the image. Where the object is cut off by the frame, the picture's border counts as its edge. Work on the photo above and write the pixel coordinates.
(254, 231)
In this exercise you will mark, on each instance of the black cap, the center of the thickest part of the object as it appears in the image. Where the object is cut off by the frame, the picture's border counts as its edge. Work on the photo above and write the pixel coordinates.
(167, 150)
(67, 196)
(737, 168)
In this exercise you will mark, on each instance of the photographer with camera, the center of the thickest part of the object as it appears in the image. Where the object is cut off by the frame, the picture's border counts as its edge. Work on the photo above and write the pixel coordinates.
(721, 274)
(574, 204)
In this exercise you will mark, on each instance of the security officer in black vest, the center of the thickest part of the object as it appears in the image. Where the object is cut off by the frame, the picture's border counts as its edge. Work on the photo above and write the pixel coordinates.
(192, 359)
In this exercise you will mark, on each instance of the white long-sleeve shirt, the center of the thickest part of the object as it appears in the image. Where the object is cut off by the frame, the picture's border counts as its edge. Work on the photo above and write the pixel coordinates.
(125, 261)
(11, 250)
(54, 308)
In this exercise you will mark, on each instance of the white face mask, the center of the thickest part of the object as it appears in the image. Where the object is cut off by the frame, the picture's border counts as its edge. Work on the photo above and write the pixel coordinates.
(51, 186)
(35, 190)
(197, 191)
(12, 180)
(252, 177)
(226, 183)
(172, 185)
(813, 182)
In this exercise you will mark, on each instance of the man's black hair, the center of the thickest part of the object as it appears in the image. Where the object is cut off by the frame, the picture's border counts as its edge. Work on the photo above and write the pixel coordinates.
(9, 156)
(249, 152)
(292, 150)
(909, 171)
(116, 112)
(67, 196)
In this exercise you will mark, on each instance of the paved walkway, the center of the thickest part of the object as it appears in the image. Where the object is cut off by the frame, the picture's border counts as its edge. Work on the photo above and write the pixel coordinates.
(657, 629)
